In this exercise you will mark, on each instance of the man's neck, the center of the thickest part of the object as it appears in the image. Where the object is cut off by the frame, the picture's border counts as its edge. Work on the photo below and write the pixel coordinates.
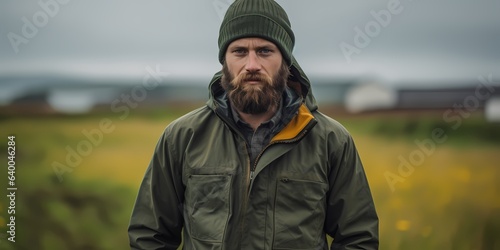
(254, 120)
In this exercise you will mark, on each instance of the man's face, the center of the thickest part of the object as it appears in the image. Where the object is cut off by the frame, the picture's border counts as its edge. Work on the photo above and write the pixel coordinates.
(254, 75)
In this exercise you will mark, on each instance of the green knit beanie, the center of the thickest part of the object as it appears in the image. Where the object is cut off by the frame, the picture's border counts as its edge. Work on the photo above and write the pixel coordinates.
(257, 18)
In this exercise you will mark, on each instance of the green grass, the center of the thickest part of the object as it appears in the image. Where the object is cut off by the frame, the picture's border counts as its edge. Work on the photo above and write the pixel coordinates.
(449, 201)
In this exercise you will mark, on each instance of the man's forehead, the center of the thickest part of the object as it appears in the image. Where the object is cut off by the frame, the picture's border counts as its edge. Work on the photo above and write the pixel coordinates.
(251, 42)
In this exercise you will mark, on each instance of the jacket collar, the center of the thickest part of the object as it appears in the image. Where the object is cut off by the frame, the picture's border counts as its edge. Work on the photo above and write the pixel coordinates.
(296, 116)
(297, 125)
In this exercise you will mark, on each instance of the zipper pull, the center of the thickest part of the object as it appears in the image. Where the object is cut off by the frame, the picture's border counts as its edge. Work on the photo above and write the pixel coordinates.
(251, 175)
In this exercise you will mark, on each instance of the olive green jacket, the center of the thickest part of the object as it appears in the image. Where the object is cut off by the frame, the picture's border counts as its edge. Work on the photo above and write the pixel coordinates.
(308, 182)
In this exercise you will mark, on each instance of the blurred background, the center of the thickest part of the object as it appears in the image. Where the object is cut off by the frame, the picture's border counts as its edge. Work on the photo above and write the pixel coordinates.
(87, 88)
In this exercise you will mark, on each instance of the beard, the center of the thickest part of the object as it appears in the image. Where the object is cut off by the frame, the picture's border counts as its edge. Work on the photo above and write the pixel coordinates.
(255, 98)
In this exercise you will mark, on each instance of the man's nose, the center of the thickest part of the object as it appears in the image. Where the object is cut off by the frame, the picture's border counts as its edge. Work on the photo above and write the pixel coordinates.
(253, 64)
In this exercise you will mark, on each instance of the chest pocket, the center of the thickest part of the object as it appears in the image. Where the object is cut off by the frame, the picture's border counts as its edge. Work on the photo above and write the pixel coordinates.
(299, 214)
(207, 205)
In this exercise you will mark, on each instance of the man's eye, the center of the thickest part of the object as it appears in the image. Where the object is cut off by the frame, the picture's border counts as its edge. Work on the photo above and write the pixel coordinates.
(265, 51)
(239, 51)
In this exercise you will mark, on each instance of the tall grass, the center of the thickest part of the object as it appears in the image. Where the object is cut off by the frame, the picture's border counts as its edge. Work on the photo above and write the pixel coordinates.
(449, 201)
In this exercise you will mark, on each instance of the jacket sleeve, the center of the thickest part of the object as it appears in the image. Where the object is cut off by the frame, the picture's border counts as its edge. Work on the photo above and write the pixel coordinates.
(351, 217)
(156, 221)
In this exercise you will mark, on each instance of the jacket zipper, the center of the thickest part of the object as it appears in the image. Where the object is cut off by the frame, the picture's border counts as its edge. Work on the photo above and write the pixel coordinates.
(250, 175)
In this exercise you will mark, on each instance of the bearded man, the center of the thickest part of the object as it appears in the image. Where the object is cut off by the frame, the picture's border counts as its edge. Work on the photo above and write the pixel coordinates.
(258, 167)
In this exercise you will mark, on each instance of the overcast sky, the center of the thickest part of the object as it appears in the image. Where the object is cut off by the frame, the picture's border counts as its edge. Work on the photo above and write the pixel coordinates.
(423, 40)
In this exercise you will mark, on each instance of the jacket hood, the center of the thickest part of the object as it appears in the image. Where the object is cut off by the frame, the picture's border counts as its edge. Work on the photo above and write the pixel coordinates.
(298, 81)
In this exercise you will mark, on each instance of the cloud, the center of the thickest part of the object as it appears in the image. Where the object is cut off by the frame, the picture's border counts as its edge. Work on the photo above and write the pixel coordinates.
(109, 32)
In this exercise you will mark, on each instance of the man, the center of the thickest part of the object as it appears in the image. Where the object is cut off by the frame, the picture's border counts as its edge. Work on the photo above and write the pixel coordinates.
(258, 167)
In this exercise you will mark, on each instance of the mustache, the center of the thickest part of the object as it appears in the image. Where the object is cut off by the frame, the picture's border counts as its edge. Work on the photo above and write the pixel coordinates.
(252, 76)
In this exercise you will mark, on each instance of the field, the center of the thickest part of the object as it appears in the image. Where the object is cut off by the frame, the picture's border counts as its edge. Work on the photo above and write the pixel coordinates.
(435, 184)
